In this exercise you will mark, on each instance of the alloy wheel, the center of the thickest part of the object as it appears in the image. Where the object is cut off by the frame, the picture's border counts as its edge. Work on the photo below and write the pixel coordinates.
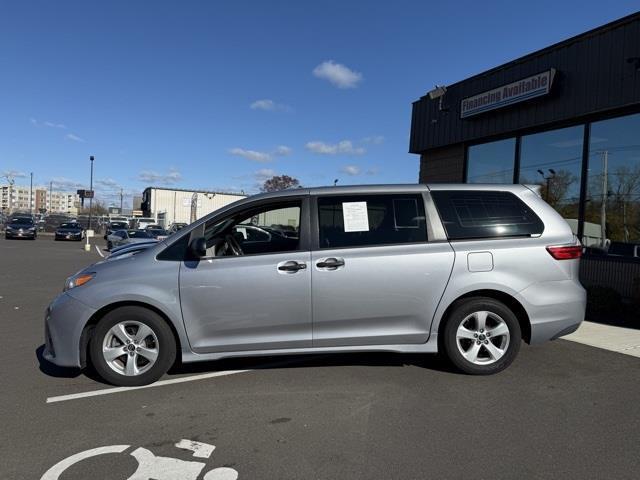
(130, 348)
(483, 337)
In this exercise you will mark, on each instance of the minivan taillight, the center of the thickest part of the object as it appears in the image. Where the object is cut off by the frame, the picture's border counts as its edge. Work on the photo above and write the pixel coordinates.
(565, 252)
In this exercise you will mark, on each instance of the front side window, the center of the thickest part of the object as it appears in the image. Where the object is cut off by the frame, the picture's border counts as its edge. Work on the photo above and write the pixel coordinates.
(470, 214)
(263, 230)
(368, 220)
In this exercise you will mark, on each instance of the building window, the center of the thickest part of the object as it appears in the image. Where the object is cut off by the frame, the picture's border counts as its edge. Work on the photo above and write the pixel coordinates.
(553, 160)
(612, 210)
(491, 162)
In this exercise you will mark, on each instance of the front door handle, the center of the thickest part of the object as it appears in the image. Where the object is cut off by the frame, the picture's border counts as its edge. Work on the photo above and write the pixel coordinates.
(331, 263)
(291, 266)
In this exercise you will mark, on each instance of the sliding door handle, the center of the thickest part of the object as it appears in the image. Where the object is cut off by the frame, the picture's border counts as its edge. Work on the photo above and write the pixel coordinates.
(330, 263)
(291, 266)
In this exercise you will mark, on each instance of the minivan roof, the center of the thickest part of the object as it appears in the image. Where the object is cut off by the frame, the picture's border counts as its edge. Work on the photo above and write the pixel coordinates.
(393, 187)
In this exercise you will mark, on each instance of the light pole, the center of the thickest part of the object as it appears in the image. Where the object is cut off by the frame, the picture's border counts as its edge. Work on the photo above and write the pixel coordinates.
(91, 190)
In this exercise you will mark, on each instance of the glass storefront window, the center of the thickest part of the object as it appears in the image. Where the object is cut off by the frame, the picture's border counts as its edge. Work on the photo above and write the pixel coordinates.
(491, 162)
(612, 215)
(553, 160)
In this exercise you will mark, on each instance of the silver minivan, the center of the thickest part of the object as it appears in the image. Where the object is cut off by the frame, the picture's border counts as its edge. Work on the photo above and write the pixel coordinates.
(466, 270)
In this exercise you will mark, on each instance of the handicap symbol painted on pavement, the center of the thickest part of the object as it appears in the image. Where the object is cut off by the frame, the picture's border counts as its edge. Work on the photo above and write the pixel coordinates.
(152, 467)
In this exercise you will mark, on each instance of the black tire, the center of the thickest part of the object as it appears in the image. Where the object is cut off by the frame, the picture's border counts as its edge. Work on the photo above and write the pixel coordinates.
(166, 346)
(465, 310)
(109, 246)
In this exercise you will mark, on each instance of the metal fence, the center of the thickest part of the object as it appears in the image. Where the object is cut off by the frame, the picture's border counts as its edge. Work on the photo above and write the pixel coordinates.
(619, 273)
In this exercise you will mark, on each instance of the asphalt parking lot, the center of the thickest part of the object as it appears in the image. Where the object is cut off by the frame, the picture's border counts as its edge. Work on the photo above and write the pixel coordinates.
(562, 410)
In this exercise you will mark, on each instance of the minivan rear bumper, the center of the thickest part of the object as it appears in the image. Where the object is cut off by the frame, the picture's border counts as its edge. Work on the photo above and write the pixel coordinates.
(555, 308)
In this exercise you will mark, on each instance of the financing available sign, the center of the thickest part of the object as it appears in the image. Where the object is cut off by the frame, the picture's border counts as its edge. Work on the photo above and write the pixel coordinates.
(525, 89)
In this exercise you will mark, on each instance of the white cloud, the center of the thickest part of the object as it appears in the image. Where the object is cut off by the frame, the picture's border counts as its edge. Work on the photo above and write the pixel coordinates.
(375, 140)
(351, 170)
(339, 75)
(75, 138)
(282, 151)
(263, 174)
(269, 105)
(252, 155)
(47, 124)
(64, 183)
(107, 183)
(12, 174)
(345, 147)
(54, 125)
(150, 176)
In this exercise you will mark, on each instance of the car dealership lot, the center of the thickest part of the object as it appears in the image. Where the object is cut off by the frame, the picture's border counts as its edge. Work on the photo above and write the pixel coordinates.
(562, 410)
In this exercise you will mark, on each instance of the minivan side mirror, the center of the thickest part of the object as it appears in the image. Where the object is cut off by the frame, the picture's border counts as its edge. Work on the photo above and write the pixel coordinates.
(198, 247)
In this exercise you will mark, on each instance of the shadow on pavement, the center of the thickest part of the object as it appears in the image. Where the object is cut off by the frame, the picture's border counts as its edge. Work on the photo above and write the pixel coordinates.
(315, 360)
(311, 360)
(52, 370)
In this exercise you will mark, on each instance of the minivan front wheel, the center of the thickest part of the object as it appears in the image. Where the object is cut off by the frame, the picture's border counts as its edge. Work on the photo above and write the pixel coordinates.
(132, 346)
(482, 336)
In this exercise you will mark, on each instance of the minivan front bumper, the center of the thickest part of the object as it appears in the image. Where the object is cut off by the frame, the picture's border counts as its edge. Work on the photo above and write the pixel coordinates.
(555, 308)
(65, 319)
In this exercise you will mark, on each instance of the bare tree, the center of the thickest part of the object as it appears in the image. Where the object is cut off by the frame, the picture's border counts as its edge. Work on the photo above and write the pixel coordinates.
(279, 182)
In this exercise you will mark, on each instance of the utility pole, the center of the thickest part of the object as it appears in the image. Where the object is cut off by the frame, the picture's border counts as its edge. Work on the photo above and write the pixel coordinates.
(120, 201)
(603, 205)
(50, 197)
(91, 189)
(31, 195)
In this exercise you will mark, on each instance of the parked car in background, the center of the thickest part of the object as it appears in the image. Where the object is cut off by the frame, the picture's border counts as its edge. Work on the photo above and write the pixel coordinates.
(466, 270)
(175, 227)
(623, 249)
(69, 231)
(142, 222)
(125, 237)
(157, 232)
(21, 227)
(115, 226)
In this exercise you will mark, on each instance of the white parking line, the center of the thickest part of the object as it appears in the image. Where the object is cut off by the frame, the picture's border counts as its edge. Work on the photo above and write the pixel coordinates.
(172, 381)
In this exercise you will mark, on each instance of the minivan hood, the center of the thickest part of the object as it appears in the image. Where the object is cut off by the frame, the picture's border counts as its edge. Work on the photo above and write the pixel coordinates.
(135, 247)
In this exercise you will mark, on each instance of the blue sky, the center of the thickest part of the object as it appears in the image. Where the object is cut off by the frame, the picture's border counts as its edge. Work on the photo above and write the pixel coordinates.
(219, 95)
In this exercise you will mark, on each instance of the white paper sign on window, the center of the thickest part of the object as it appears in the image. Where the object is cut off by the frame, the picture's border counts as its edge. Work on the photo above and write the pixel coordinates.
(355, 216)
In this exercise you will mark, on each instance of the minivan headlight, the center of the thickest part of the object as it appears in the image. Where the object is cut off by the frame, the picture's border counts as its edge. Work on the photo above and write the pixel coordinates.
(78, 280)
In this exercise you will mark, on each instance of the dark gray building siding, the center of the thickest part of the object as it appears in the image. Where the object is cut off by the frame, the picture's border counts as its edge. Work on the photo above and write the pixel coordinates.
(442, 165)
(596, 75)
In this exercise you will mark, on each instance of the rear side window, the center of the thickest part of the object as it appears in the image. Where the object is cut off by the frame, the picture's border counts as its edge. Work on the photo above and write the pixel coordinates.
(367, 220)
(470, 214)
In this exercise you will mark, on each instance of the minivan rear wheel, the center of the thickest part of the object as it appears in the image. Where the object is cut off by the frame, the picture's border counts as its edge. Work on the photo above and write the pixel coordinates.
(132, 346)
(482, 336)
